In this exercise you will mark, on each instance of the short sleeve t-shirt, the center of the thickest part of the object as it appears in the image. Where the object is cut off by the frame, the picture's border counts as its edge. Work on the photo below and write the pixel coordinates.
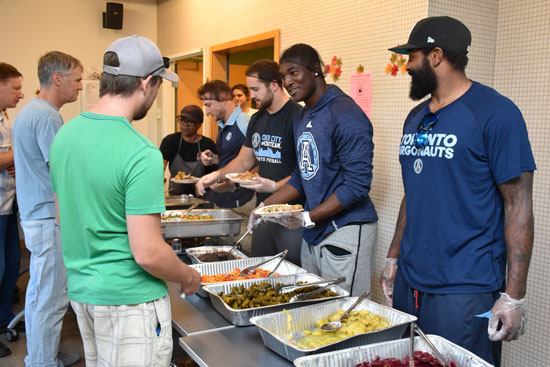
(33, 132)
(102, 170)
(271, 136)
(453, 240)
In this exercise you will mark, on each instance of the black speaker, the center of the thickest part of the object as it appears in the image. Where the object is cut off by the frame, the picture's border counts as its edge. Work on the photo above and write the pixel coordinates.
(113, 17)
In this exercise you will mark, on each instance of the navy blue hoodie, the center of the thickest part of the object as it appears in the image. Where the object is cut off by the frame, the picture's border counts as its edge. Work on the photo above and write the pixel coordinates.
(334, 149)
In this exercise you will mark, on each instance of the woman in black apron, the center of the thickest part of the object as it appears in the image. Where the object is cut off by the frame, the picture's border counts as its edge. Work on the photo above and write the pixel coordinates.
(182, 150)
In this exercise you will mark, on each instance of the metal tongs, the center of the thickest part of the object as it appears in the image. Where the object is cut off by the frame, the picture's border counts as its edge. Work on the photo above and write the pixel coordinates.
(304, 285)
(247, 270)
(189, 209)
(304, 296)
(440, 358)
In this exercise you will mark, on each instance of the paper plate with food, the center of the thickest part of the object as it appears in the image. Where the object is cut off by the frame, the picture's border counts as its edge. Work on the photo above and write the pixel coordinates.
(279, 210)
(184, 178)
(242, 178)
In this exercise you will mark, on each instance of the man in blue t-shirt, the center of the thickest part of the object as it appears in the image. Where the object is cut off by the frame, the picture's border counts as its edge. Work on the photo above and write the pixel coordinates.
(232, 124)
(467, 170)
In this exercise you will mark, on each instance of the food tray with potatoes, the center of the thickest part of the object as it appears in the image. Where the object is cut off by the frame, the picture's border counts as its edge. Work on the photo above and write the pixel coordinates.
(241, 317)
(282, 331)
(392, 349)
(225, 267)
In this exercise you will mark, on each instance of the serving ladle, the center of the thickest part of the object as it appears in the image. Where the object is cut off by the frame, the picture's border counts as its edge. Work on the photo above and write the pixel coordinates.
(337, 324)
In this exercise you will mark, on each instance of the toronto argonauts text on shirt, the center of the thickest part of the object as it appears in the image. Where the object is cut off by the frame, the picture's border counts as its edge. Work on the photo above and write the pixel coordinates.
(439, 146)
(267, 148)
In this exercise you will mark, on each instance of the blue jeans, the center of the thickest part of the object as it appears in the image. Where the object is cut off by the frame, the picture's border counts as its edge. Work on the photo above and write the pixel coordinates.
(47, 300)
(10, 258)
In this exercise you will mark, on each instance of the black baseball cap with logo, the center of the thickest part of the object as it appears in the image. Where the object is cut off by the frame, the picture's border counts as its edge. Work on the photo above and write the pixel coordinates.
(445, 32)
(192, 113)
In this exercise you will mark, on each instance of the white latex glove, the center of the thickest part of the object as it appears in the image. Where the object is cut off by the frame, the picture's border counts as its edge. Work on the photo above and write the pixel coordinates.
(290, 220)
(511, 312)
(207, 157)
(254, 218)
(387, 278)
(206, 181)
(264, 185)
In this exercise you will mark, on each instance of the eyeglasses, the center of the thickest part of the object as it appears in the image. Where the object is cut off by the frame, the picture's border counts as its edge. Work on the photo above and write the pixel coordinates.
(183, 121)
(427, 123)
(165, 65)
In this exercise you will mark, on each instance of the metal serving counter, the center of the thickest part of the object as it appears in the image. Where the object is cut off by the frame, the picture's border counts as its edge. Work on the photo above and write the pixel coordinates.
(234, 346)
(211, 340)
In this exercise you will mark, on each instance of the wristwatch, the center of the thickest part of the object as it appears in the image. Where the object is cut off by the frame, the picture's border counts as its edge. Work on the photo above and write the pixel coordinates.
(307, 220)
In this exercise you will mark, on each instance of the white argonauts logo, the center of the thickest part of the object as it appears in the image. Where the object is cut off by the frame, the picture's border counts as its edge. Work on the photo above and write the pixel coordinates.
(308, 155)
(228, 136)
(418, 164)
(256, 140)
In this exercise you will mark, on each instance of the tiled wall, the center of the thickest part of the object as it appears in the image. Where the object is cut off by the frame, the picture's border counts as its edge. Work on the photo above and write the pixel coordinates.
(521, 74)
(512, 60)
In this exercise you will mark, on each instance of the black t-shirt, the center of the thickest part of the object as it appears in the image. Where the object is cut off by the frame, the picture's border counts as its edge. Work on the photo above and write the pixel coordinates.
(272, 139)
(188, 151)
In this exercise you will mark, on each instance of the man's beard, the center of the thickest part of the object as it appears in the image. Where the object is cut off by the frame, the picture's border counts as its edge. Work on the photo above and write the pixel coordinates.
(423, 81)
(141, 113)
(265, 103)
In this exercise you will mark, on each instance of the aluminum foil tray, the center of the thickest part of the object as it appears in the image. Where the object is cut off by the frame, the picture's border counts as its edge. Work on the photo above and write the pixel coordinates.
(274, 327)
(195, 252)
(392, 349)
(225, 223)
(286, 268)
(242, 317)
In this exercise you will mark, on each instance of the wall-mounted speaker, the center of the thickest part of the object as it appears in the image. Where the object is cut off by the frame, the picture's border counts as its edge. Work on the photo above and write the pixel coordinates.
(113, 17)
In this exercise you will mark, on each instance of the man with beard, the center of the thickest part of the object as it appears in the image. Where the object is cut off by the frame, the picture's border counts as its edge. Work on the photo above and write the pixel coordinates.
(109, 190)
(270, 144)
(467, 170)
(34, 129)
(334, 150)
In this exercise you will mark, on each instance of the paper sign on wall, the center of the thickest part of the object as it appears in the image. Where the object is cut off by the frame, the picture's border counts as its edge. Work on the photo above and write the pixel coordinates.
(360, 86)
(89, 94)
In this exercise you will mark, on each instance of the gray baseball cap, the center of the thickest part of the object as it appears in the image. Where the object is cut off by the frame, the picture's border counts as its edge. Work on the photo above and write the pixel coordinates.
(139, 56)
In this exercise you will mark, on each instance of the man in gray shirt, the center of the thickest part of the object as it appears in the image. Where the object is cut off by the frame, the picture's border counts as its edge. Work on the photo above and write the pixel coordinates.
(35, 127)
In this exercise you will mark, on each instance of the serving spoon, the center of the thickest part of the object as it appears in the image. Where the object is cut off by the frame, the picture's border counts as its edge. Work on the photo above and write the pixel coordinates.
(337, 324)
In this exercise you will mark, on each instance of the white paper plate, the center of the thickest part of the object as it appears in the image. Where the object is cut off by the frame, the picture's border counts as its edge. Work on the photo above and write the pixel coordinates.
(231, 176)
(188, 181)
(262, 212)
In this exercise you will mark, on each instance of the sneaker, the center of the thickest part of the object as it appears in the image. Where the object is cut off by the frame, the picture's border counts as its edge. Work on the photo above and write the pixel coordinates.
(67, 358)
(4, 351)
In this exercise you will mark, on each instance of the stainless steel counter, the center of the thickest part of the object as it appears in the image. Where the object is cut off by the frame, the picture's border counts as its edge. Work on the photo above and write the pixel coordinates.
(234, 346)
(193, 314)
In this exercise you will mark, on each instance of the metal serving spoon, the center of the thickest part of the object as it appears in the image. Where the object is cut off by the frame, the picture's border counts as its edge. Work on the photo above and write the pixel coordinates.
(337, 324)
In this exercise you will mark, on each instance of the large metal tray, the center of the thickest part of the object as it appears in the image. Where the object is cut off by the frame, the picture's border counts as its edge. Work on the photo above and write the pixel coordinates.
(182, 200)
(195, 252)
(274, 327)
(242, 317)
(225, 223)
(286, 268)
(392, 349)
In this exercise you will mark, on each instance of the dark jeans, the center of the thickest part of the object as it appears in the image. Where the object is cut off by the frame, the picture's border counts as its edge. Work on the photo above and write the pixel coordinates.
(451, 316)
(10, 258)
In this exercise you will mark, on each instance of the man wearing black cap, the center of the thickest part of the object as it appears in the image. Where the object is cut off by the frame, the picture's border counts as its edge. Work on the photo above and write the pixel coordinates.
(109, 191)
(182, 150)
(465, 226)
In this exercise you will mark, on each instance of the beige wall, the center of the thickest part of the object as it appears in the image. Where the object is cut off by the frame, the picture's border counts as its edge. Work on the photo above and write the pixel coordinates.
(30, 28)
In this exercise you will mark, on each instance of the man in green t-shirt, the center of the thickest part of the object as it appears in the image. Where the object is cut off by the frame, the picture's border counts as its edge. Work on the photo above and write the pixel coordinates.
(109, 191)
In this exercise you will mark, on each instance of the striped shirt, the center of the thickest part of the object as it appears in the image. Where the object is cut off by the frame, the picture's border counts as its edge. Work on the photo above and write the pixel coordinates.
(7, 181)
